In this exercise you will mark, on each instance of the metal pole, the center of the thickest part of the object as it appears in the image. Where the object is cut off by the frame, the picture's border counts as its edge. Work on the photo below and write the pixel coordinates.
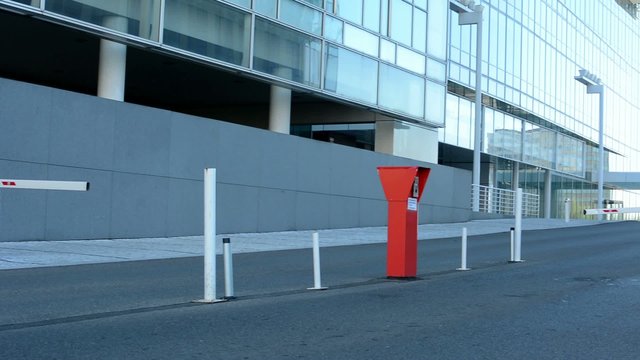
(477, 145)
(209, 235)
(463, 256)
(601, 153)
(228, 268)
(518, 230)
(513, 253)
(567, 209)
(316, 264)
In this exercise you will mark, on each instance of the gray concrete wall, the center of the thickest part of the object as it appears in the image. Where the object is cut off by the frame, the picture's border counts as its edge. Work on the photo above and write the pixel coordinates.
(146, 166)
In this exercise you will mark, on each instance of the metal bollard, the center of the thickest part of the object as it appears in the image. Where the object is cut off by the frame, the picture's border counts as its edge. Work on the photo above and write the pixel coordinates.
(513, 254)
(210, 236)
(316, 264)
(463, 256)
(567, 209)
(228, 268)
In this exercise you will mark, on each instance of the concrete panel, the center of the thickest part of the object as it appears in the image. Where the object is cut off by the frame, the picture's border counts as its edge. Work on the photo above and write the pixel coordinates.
(193, 146)
(346, 171)
(344, 212)
(79, 215)
(141, 139)
(276, 210)
(372, 213)
(81, 131)
(312, 211)
(313, 166)
(139, 205)
(240, 150)
(237, 208)
(185, 213)
(370, 188)
(22, 212)
(24, 121)
(278, 160)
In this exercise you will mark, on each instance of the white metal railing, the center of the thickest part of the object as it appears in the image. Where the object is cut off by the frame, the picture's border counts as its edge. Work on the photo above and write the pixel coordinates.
(502, 201)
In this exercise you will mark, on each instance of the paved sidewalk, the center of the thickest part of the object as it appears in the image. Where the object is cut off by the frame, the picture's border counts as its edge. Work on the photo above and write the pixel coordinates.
(17, 255)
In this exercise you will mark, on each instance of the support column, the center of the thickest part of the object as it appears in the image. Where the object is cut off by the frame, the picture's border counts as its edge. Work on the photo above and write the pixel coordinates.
(547, 194)
(280, 105)
(113, 62)
(515, 176)
(408, 140)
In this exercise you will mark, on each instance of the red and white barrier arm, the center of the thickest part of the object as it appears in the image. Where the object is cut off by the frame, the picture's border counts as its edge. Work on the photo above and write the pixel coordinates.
(44, 185)
(611, 211)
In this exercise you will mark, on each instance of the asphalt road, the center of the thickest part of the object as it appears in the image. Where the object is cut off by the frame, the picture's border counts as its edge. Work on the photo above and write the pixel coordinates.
(576, 297)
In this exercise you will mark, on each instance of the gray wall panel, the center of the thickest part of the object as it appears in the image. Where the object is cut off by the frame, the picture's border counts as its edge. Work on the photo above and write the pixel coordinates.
(22, 212)
(276, 161)
(313, 167)
(185, 207)
(237, 208)
(276, 210)
(344, 212)
(193, 146)
(146, 168)
(82, 133)
(240, 153)
(25, 121)
(141, 139)
(79, 214)
(312, 211)
(139, 205)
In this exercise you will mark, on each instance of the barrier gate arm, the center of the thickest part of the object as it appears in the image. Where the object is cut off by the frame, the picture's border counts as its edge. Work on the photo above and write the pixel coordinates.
(611, 211)
(44, 185)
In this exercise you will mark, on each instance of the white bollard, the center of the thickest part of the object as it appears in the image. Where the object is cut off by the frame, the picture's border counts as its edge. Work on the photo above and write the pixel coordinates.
(518, 227)
(463, 256)
(210, 236)
(317, 284)
(567, 209)
(513, 245)
(228, 268)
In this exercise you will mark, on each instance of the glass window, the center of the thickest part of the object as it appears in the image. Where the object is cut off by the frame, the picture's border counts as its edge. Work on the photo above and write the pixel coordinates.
(421, 4)
(360, 40)
(208, 28)
(351, 75)
(134, 17)
(464, 123)
(301, 16)
(437, 29)
(34, 3)
(420, 30)
(384, 18)
(401, 91)
(350, 10)
(451, 127)
(333, 29)
(410, 60)
(436, 70)
(245, 3)
(286, 53)
(387, 51)
(435, 99)
(400, 22)
(371, 18)
(265, 7)
(317, 3)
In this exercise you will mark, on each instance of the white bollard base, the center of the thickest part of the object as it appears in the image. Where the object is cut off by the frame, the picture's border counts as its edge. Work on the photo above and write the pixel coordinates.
(205, 301)
(463, 269)
(318, 288)
(516, 261)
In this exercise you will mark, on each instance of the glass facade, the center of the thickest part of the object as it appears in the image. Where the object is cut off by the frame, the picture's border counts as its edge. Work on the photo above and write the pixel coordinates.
(375, 52)
(411, 60)
(535, 113)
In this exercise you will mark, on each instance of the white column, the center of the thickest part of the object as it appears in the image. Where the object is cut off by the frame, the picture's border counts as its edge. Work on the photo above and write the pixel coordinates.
(280, 105)
(518, 228)
(113, 62)
(547, 194)
(515, 176)
(209, 235)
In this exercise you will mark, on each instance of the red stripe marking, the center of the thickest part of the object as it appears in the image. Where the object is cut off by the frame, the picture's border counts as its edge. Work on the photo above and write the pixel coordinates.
(610, 211)
(9, 183)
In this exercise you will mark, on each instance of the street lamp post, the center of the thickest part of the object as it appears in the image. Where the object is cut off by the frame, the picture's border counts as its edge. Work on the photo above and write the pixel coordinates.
(471, 17)
(594, 86)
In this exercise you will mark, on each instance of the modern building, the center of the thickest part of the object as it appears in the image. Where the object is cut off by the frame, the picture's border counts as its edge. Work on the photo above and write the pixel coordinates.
(139, 95)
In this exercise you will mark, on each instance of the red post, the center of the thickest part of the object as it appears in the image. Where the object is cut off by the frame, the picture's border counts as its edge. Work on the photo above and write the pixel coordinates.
(403, 187)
